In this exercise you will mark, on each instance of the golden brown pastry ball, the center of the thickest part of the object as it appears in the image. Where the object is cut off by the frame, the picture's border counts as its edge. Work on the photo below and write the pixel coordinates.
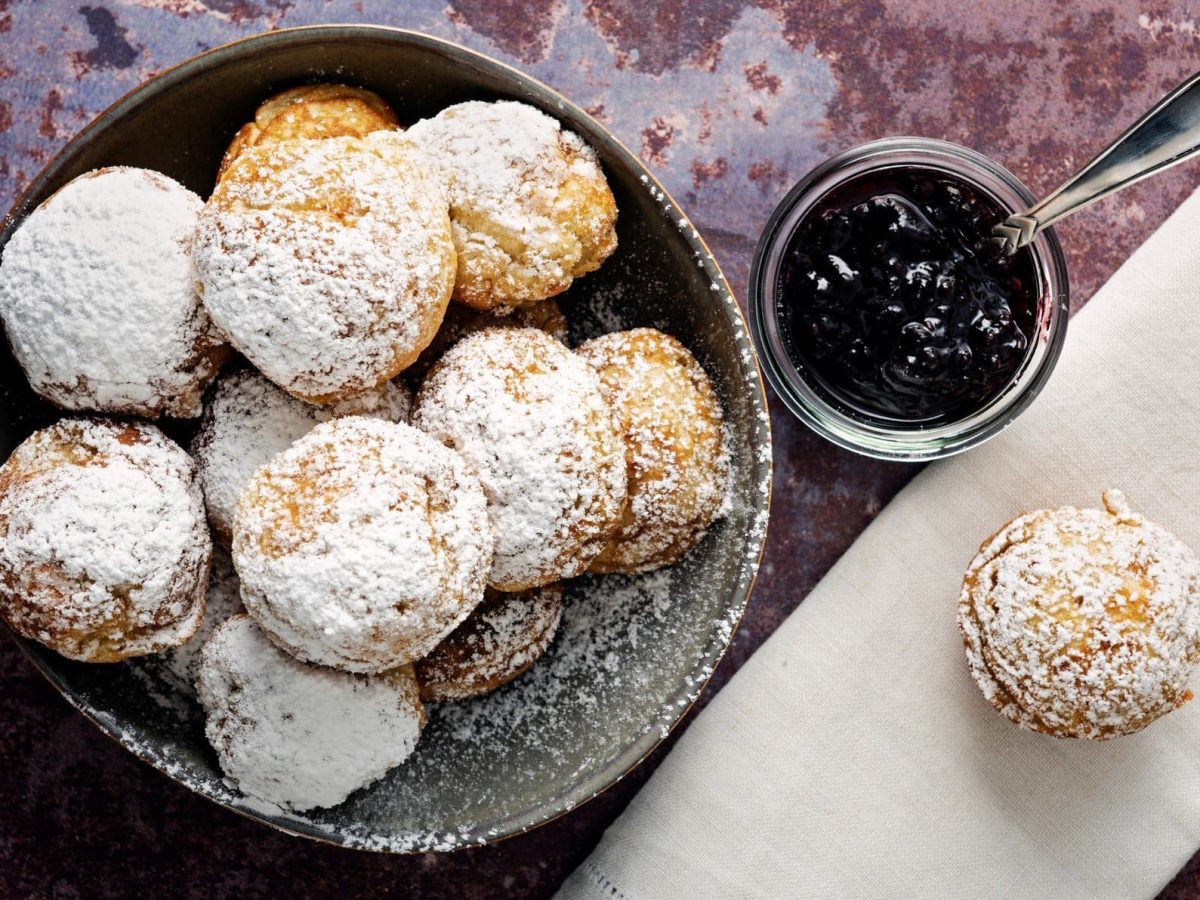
(328, 263)
(530, 206)
(104, 552)
(98, 299)
(498, 642)
(460, 321)
(1082, 622)
(529, 417)
(312, 112)
(362, 545)
(296, 735)
(675, 437)
(247, 420)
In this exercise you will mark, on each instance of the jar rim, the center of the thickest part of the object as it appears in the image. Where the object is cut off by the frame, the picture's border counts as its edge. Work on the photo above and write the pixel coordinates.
(880, 439)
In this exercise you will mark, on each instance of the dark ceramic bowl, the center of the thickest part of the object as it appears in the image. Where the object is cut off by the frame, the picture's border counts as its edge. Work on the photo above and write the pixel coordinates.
(632, 653)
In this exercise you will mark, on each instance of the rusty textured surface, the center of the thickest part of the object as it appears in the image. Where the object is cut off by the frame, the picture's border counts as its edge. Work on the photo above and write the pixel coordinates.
(729, 102)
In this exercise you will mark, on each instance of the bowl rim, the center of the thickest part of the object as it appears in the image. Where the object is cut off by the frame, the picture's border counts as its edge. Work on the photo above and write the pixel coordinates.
(677, 706)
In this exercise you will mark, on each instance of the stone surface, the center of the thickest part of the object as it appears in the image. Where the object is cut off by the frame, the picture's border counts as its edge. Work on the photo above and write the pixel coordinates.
(729, 102)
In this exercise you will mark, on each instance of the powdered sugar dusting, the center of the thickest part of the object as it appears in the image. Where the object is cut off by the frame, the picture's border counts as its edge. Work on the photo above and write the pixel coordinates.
(543, 726)
(180, 665)
(529, 417)
(530, 207)
(247, 420)
(295, 735)
(501, 764)
(103, 548)
(675, 438)
(462, 320)
(362, 545)
(391, 401)
(98, 300)
(504, 763)
(502, 638)
(329, 263)
(1083, 622)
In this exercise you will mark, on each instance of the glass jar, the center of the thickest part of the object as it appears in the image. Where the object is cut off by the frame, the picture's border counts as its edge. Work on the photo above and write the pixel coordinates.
(891, 439)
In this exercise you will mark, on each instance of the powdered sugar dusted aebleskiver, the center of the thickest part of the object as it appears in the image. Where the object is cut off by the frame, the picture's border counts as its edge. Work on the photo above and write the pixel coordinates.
(1083, 622)
(301, 736)
(362, 545)
(98, 300)
(104, 551)
(247, 420)
(529, 417)
(499, 641)
(675, 438)
(329, 262)
(530, 206)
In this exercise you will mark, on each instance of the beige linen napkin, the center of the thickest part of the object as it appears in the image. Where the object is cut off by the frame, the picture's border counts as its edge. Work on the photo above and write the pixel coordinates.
(854, 756)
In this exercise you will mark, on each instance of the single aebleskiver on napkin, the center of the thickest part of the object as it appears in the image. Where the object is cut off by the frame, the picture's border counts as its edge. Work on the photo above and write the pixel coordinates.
(854, 756)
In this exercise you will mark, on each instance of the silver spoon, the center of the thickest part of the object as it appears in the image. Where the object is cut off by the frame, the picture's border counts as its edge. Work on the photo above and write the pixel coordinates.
(1168, 134)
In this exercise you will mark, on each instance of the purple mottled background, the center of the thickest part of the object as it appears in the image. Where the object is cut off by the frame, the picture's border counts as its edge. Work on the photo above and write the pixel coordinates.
(729, 102)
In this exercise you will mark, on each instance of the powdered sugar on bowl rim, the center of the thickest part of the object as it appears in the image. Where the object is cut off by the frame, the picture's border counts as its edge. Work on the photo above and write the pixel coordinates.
(740, 385)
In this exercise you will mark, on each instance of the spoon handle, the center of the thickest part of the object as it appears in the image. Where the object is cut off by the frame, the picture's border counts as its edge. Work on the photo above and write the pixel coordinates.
(1168, 134)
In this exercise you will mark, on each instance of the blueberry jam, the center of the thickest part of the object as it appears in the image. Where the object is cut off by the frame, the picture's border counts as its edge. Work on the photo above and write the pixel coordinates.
(895, 301)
